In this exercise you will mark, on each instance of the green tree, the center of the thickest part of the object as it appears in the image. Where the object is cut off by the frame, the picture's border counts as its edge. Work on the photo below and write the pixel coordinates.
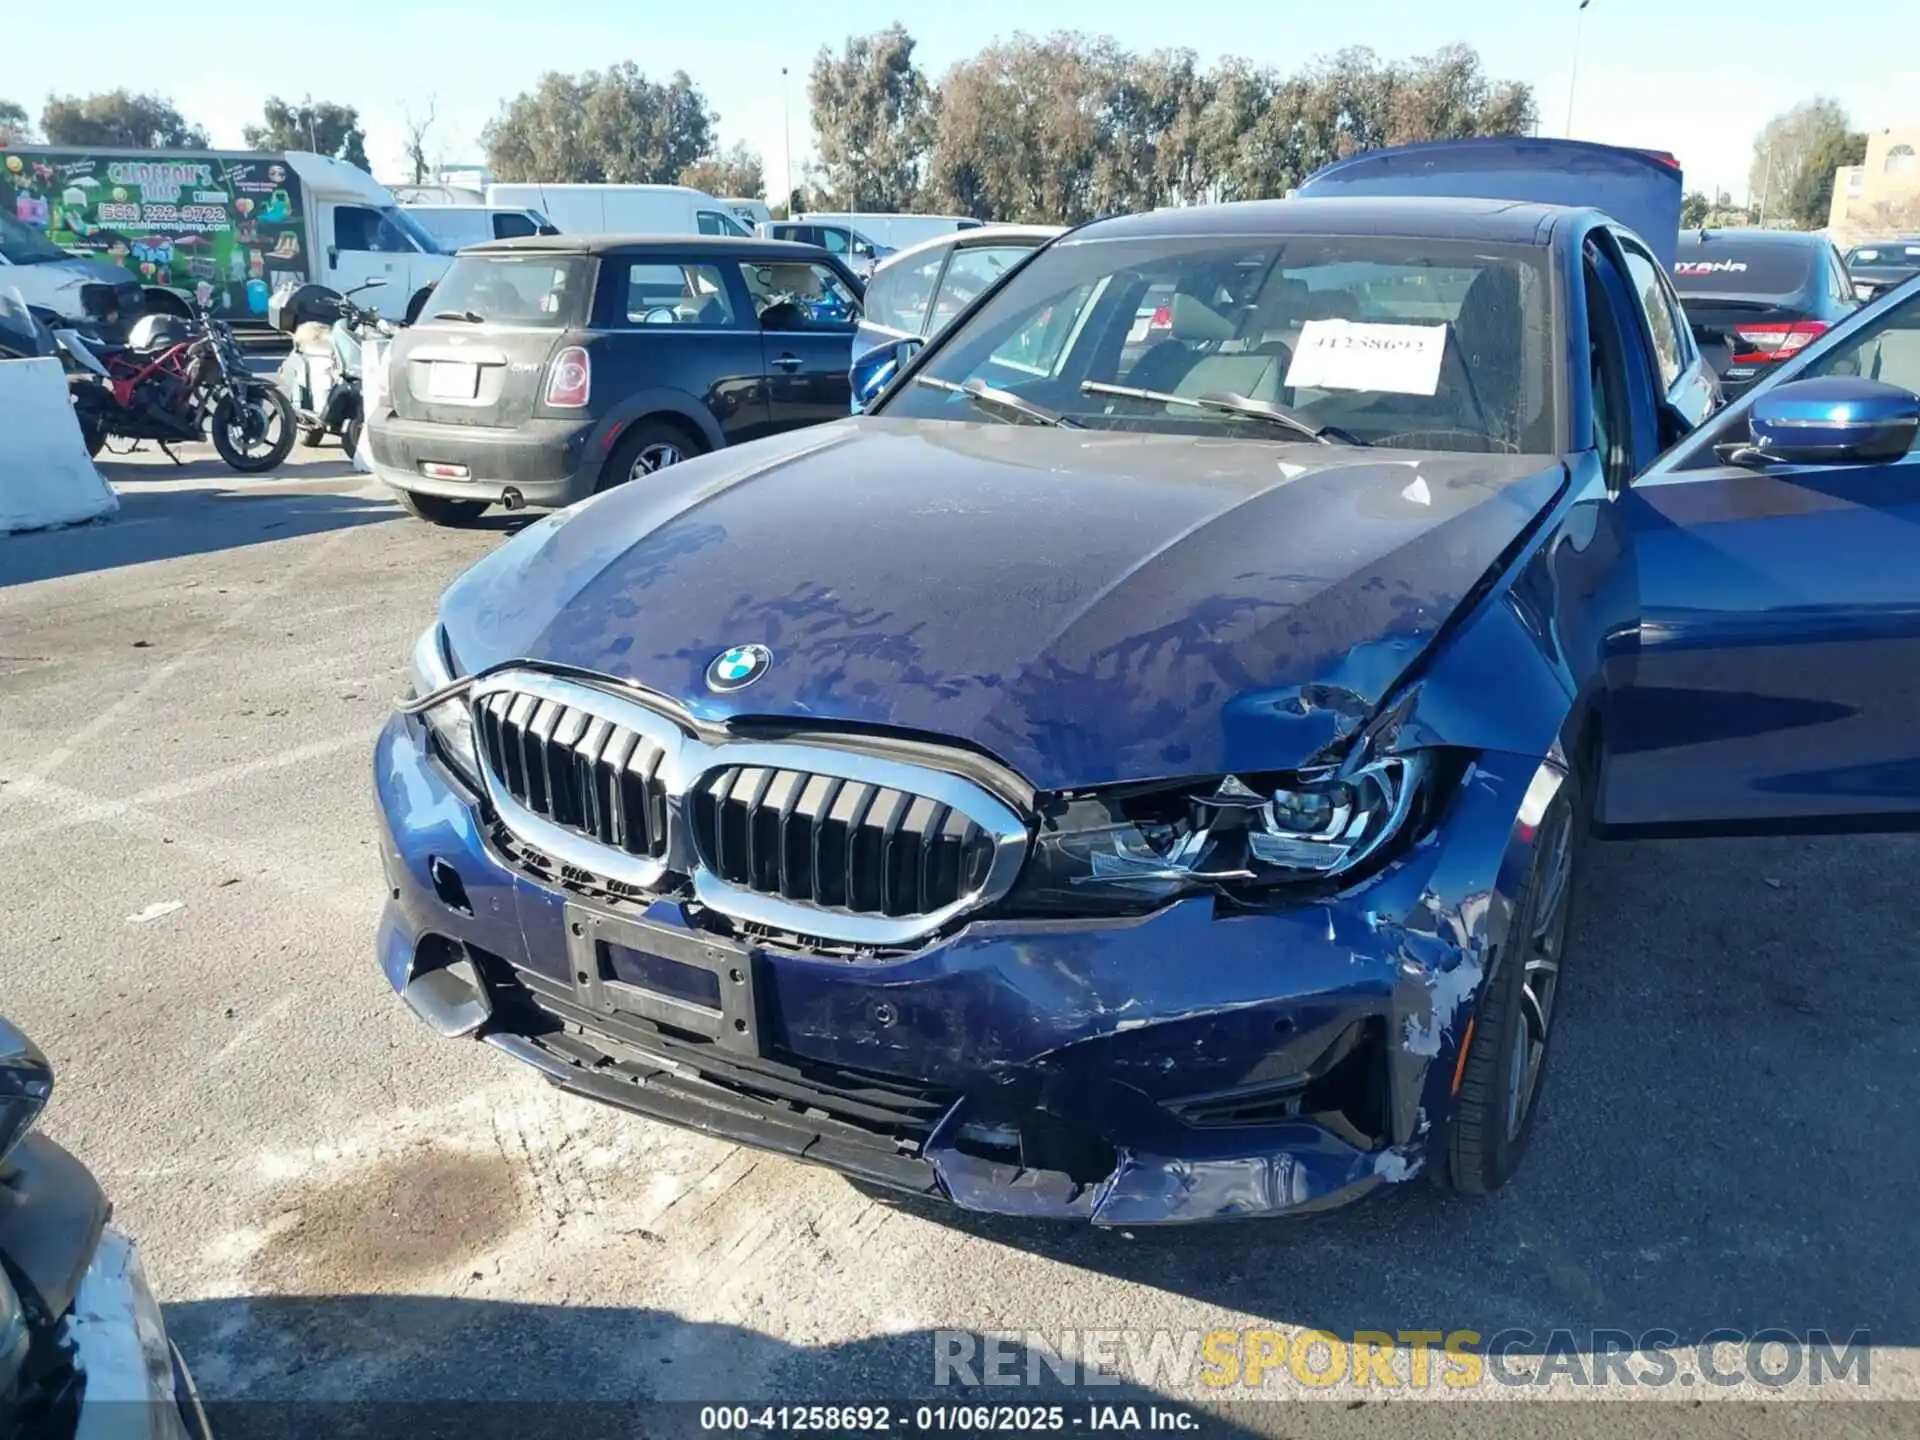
(319, 126)
(1784, 147)
(1809, 200)
(15, 127)
(117, 117)
(872, 114)
(1694, 207)
(610, 126)
(736, 174)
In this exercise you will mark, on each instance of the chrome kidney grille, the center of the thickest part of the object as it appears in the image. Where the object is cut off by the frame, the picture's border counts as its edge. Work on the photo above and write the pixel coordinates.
(577, 769)
(817, 839)
(837, 844)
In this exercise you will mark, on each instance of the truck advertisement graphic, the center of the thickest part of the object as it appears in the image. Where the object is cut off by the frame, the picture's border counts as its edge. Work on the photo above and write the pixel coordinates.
(227, 229)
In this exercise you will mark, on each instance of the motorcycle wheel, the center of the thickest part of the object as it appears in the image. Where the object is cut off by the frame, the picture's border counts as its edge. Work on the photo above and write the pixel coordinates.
(261, 445)
(350, 436)
(92, 433)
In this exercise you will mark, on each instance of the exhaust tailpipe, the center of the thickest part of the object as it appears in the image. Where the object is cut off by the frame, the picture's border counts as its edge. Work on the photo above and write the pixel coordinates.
(511, 499)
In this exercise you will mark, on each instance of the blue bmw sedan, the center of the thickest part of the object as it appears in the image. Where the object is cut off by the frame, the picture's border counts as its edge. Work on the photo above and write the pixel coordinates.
(1148, 782)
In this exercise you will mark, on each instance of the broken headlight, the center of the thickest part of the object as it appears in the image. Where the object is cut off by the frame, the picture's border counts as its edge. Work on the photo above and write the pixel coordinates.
(450, 722)
(1136, 849)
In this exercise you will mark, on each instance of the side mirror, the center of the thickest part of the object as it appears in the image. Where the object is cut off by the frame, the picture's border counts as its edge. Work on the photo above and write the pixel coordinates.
(1835, 419)
(874, 370)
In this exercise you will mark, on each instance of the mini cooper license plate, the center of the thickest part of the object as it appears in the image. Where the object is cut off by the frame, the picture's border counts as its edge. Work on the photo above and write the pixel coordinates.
(453, 380)
(694, 982)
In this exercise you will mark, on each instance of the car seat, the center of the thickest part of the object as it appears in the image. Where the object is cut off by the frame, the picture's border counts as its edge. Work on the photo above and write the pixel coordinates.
(1191, 323)
(1480, 369)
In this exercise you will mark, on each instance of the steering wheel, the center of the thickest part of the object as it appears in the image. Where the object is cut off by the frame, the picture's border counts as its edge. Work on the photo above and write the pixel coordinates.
(661, 315)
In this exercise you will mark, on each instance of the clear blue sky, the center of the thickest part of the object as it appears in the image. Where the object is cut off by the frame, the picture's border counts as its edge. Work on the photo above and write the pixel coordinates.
(1698, 80)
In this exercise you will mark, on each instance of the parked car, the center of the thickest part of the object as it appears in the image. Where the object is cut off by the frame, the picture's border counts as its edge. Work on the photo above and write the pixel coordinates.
(1755, 298)
(83, 1346)
(550, 367)
(916, 293)
(1883, 265)
(1151, 789)
(891, 228)
(622, 209)
(860, 253)
(456, 226)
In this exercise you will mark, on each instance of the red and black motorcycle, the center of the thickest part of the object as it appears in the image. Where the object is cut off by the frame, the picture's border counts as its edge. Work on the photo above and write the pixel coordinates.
(176, 379)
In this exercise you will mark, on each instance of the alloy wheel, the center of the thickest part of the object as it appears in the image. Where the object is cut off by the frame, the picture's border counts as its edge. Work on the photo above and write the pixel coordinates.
(1540, 952)
(656, 456)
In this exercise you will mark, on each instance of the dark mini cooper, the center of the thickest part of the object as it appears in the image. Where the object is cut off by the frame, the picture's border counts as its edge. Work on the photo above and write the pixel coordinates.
(548, 368)
(1146, 782)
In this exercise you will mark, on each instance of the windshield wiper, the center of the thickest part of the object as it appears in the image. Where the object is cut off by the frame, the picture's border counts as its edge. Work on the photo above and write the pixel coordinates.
(472, 317)
(1232, 405)
(1003, 401)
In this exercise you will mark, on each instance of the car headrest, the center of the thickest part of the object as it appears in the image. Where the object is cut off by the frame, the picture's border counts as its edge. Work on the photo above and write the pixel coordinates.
(1193, 320)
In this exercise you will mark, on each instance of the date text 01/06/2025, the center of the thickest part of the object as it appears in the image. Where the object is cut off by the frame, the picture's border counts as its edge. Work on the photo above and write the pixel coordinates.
(947, 1419)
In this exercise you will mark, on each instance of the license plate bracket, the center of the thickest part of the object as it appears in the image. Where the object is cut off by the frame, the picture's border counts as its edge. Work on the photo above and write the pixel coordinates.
(694, 982)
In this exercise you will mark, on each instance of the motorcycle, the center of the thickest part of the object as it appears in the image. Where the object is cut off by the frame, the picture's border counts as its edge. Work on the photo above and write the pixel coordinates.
(176, 380)
(322, 378)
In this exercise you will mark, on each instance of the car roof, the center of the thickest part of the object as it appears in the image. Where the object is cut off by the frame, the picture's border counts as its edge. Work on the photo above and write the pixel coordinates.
(1415, 217)
(974, 235)
(1751, 237)
(737, 246)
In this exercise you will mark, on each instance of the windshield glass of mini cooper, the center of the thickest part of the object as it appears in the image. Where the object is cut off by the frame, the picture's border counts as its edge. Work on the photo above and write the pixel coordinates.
(1401, 343)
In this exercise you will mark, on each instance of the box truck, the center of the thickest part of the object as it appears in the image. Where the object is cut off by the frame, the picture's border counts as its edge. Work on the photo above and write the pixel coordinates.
(224, 228)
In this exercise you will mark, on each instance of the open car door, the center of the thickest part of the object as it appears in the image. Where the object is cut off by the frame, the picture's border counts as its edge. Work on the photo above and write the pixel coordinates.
(1639, 188)
(1773, 683)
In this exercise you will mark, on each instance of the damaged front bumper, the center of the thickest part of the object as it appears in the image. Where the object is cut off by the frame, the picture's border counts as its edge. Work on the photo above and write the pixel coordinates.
(1192, 1064)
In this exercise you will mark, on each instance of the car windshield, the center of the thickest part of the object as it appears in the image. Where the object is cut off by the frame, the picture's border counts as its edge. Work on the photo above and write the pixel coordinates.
(1724, 265)
(510, 289)
(412, 229)
(1894, 253)
(1404, 343)
(21, 244)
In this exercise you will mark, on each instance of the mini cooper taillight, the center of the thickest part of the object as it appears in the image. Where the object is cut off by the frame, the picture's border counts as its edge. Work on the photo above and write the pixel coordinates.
(569, 379)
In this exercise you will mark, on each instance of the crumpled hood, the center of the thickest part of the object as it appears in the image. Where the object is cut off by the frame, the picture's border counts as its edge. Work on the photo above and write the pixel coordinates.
(1086, 606)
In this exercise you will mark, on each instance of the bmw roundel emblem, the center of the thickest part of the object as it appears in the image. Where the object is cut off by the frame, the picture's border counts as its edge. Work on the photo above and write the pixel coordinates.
(738, 668)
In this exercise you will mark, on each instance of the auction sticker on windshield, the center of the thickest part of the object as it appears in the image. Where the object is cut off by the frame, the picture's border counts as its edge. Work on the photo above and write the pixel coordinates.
(1354, 355)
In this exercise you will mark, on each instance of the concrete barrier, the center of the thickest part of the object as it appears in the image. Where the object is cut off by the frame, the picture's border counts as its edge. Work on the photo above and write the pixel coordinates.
(46, 477)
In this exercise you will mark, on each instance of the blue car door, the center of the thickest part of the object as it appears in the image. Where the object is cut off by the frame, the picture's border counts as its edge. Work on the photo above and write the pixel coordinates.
(1773, 680)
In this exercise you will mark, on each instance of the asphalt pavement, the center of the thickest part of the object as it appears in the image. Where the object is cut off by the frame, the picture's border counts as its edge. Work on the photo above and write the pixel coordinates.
(335, 1206)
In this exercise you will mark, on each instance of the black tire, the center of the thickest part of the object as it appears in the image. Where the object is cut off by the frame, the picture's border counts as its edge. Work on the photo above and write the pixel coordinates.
(647, 446)
(281, 428)
(92, 433)
(350, 434)
(439, 509)
(1513, 1026)
(312, 435)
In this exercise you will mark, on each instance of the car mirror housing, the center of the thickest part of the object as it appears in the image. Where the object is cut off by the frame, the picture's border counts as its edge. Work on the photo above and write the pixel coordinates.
(1834, 419)
(874, 370)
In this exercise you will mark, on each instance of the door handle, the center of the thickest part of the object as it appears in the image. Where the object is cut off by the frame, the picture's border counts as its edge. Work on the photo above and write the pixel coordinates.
(788, 363)
(333, 257)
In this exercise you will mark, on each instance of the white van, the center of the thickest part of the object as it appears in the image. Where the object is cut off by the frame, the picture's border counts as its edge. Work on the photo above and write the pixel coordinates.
(749, 212)
(457, 225)
(895, 231)
(621, 209)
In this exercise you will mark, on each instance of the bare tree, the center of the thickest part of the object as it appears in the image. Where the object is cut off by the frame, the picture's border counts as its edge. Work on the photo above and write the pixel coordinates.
(417, 128)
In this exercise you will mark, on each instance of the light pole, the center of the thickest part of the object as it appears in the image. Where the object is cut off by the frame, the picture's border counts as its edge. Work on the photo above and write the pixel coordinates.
(1573, 79)
(786, 136)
